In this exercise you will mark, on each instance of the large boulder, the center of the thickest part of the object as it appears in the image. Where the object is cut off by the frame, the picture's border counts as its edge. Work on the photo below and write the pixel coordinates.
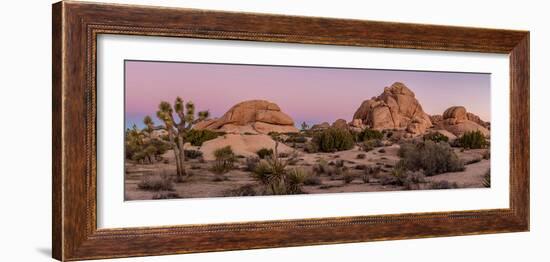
(244, 145)
(253, 116)
(458, 120)
(474, 118)
(340, 123)
(395, 108)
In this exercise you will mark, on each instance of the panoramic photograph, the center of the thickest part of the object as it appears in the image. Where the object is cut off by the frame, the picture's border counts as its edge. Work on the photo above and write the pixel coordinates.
(202, 130)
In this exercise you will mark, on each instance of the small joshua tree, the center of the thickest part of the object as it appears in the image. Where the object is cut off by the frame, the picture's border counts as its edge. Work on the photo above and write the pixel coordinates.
(177, 130)
(149, 124)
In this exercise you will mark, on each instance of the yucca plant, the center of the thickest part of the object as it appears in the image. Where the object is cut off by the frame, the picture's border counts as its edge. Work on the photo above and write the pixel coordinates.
(487, 179)
(277, 180)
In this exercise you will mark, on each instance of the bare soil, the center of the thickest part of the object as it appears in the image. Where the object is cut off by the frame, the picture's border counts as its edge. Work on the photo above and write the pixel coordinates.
(202, 183)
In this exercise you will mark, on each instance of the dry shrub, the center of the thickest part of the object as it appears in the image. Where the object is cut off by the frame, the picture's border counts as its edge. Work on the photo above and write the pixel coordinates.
(245, 190)
(156, 183)
(443, 184)
(433, 158)
(312, 181)
(165, 195)
(349, 177)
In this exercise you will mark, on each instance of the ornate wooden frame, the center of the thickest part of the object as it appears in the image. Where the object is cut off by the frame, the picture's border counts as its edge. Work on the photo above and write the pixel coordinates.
(76, 26)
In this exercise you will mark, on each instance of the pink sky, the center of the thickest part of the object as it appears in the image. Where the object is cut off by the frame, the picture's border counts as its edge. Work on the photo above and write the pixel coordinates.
(307, 94)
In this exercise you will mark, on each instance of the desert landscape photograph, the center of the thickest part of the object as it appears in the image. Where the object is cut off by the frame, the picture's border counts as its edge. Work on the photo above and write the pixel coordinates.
(202, 130)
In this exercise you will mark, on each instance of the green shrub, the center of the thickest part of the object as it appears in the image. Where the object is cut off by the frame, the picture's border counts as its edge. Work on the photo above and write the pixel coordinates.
(224, 153)
(225, 159)
(473, 140)
(436, 137)
(402, 177)
(370, 144)
(311, 147)
(433, 158)
(140, 149)
(369, 134)
(333, 139)
(264, 152)
(192, 154)
(197, 137)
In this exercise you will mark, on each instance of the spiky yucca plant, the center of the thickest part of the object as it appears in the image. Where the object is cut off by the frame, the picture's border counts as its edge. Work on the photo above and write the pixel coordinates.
(177, 130)
(277, 180)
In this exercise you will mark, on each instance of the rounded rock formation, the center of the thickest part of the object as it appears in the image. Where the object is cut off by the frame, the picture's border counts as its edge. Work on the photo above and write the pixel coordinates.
(457, 120)
(253, 116)
(340, 123)
(395, 108)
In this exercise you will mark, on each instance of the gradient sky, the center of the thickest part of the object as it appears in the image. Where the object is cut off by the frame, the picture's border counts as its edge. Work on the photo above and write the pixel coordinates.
(307, 94)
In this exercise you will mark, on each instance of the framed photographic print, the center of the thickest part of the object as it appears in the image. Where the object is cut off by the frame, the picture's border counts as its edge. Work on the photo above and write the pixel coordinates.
(182, 130)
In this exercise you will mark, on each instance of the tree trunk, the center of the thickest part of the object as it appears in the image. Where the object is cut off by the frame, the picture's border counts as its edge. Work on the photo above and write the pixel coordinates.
(176, 150)
(181, 157)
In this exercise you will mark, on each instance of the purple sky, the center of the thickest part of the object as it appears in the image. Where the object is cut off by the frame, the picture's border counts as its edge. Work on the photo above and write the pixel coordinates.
(306, 94)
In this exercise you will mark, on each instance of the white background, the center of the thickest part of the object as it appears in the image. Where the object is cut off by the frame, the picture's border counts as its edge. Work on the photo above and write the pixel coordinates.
(25, 102)
(114, 212)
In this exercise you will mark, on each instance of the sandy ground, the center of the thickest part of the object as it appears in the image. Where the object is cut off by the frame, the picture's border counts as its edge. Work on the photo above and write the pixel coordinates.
(203, 183)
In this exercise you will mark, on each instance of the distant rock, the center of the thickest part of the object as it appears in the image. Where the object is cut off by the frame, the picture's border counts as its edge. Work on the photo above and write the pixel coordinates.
(321, 126)
(158, 133)
(458, 120)
(474, 118)
(395, 108)
(436, 118)
(340, 123)
(253, 116)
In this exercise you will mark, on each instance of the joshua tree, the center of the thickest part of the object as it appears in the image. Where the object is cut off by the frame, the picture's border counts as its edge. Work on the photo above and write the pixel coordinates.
(177, 130)
(305, 126)
(149, 124)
